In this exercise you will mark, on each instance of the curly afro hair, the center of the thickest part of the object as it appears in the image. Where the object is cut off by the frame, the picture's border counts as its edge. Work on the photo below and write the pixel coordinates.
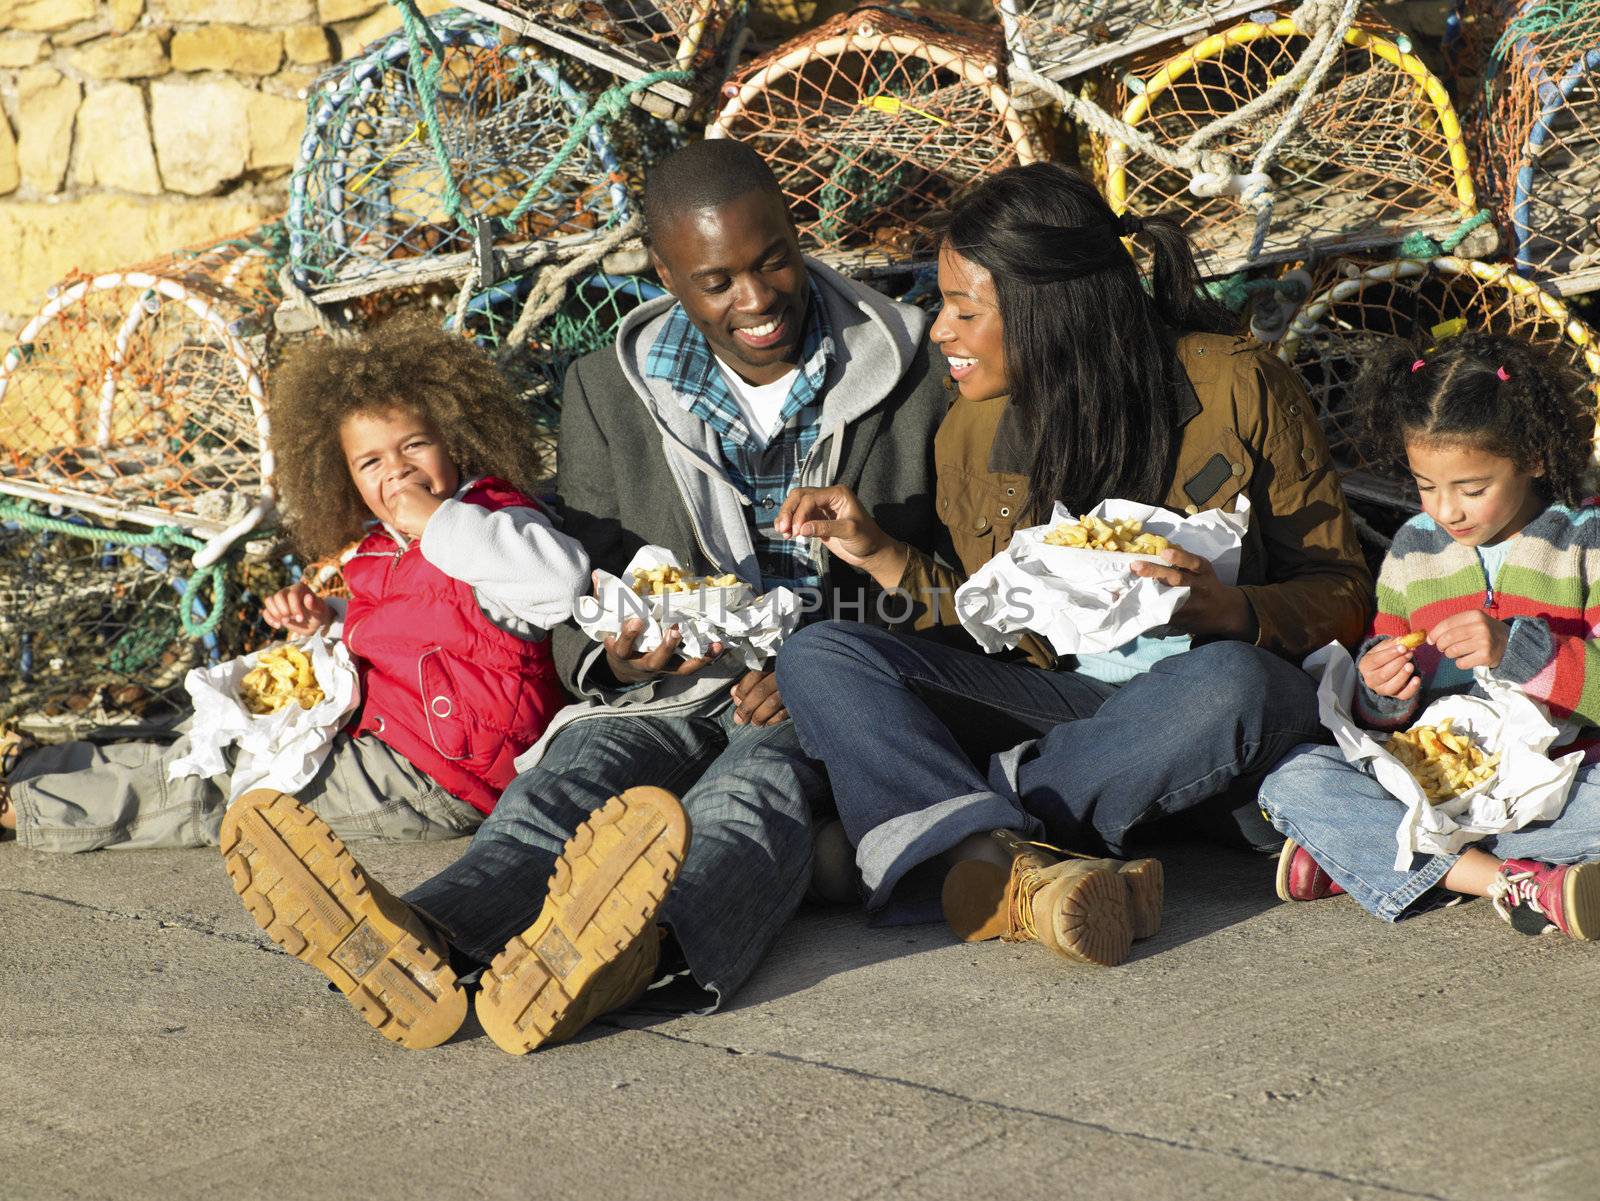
(407, 364)
(1539, 415)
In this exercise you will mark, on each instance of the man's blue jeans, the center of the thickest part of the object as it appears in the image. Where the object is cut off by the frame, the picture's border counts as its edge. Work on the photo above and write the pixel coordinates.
(748, 791)
(1348, 822)
(903, 722)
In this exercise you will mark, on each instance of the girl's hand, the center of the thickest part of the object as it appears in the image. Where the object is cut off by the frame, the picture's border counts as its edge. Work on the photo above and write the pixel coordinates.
(837, 517)
(410, 506)
(1387, 670)
(1214, 609)
(1472, 639)
(298, 610)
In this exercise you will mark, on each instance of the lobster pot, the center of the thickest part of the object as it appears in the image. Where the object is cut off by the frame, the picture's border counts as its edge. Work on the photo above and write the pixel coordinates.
(586, 320)
(1376, 155)
(873, 119)
(375, 202)
(1356, 309)
(1063, 38)
(910, 283)
(138, 394)
(90, 630)
(1538, 138)
(634, 40)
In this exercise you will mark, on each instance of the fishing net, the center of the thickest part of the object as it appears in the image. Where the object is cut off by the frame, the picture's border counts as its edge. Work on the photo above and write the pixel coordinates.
(873, 119)
(1357, 308)
(93, 629)
(1375, 154)
(1062, 38)
(1538, 137)
(404, 154)
(138, 393)
(675, 45)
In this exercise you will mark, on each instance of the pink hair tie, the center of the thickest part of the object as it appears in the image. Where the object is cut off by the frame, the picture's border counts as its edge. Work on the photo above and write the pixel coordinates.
(1418, 365)
(1504, 377)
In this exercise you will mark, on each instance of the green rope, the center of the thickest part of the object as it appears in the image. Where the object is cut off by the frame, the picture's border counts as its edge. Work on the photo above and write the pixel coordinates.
(1235, 291)
(167, 535)
(1419, 245)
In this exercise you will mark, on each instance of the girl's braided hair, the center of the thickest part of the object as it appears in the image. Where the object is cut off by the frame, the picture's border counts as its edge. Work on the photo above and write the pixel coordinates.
(407, 364)
(1496, 392)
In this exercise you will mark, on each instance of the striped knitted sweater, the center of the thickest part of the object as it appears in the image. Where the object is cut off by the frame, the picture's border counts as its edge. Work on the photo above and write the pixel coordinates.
(1548, 590)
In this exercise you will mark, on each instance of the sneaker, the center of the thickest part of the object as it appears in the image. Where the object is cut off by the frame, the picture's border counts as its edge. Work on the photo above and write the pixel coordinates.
(1301, 878)
(1078, 908)
(1536, 898)
(595, 945)
(311, 896)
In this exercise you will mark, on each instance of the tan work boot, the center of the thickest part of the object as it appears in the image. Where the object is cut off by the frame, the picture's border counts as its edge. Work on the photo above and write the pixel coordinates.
(977, 893)
(595, 944)
(308, 892)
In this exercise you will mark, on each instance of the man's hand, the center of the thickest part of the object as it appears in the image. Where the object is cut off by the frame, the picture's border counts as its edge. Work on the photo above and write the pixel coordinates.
(629, 665)
(1387, 670)
(410, 505)
(837, 517)
(298, 610)
(1214, 609)
(757, 701)
(1472, 639)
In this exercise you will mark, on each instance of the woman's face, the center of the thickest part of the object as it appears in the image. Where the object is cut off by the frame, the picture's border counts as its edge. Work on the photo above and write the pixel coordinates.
(968, 331)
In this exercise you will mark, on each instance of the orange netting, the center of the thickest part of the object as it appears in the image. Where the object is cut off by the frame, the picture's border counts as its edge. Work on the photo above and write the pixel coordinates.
(875, 118)
(1061, 38)
(139, 393)
(1357, 307)
(1538, 136)
(1377, 155)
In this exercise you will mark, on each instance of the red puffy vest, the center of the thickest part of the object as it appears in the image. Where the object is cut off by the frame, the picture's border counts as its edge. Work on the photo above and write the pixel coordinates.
(456, 695)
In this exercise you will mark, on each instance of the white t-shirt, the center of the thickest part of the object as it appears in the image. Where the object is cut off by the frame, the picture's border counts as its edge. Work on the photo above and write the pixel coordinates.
(760, 404)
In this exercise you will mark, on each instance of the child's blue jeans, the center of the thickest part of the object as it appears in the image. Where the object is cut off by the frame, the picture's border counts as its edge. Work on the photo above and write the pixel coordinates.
(1348, 822)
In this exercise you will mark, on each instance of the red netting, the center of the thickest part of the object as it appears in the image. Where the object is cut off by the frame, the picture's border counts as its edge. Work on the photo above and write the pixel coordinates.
(874, 119)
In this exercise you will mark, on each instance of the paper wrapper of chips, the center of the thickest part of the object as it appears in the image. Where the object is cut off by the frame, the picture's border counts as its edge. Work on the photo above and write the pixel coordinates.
(284, 747)
(1084, 600)
(1512, 732)
(750, 627)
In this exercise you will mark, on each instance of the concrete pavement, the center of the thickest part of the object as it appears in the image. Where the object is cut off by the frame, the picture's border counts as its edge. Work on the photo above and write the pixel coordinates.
(154, 1044)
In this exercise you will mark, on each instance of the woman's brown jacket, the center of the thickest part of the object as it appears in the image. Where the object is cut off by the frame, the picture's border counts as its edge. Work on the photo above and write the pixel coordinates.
(1245, 426)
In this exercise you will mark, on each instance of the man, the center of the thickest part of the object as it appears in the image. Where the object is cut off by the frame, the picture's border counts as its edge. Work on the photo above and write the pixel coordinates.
(764, 371)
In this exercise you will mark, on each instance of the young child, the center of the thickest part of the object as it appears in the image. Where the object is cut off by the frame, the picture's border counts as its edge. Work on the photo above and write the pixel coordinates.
(411, 437)
(1502, 571)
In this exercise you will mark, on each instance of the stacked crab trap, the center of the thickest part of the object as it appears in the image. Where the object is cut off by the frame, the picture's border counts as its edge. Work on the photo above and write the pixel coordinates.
(1537, 135)
(1355, 308)
(133, 460)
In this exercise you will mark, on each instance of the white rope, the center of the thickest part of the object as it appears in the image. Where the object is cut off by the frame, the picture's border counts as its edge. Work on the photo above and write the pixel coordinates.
(550, 288)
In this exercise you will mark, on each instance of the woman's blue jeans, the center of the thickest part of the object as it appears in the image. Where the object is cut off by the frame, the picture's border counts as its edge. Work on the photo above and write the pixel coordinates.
(904, 723)
(1347, 821)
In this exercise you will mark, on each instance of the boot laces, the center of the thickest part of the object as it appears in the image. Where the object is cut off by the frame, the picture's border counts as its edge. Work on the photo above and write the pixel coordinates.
(1025, 882)
(1511, 889)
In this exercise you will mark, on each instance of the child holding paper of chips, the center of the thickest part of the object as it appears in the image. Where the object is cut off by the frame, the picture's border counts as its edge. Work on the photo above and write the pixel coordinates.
(1501, 571)
(410, 437)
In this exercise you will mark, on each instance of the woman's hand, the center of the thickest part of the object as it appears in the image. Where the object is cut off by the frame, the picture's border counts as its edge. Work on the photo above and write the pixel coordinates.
(836, 516)
(1472, 639)
(1214, 609)
(630, 665)
(298, 610)
(756, 700)
(1387, 670)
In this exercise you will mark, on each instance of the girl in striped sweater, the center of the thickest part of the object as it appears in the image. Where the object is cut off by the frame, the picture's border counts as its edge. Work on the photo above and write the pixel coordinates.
(1501, 570)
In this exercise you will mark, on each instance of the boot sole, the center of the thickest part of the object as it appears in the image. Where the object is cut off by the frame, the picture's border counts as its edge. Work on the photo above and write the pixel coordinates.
(310, 895)
(1093, 924)
(1580, 897)
(974, 898)
(1285, 861)
(609, 883)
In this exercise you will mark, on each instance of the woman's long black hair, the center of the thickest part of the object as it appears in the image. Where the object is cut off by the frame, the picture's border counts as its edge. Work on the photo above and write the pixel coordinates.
(1090, 354)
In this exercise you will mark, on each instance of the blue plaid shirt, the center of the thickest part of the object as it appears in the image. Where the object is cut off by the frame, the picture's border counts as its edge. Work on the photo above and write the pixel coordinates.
(682, 357)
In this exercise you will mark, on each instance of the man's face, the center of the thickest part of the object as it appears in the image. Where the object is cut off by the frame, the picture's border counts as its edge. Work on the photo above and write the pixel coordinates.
(737, 271)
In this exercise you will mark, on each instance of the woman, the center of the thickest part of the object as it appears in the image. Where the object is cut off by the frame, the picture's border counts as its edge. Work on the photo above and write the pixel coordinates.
(1077, 385)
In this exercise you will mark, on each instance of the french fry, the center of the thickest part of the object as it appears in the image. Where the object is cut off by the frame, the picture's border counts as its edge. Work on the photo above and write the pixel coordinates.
(281, 674)
(661, 581)
(1444, 762)
(1413, 640)
(1092, 533)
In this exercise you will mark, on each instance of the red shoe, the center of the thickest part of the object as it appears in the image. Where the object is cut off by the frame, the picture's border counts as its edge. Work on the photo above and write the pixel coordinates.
(1536, 898)
(1301, 878)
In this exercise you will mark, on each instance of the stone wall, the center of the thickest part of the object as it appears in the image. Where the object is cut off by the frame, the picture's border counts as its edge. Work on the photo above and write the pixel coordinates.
(129, 128)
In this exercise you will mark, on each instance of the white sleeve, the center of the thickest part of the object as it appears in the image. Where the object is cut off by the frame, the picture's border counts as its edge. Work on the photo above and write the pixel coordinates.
(525, 574)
